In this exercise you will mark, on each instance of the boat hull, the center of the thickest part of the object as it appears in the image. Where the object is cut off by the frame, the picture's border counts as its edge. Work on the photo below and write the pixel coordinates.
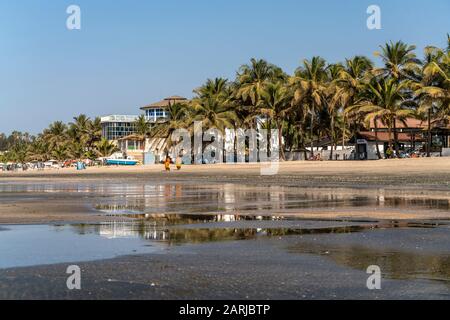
(121, 162)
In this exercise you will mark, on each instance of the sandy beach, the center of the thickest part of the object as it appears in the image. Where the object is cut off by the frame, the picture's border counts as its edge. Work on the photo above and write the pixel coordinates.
(410, 178)
(309, 232)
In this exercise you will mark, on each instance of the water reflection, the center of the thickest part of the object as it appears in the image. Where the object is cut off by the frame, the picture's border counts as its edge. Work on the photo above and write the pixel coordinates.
(395, 264)
(244, 199)
(161, 231)
(190, 198)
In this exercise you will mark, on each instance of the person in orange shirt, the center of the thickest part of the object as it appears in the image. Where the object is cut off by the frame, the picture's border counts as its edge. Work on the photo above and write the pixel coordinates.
(179, 162)
(167, 163)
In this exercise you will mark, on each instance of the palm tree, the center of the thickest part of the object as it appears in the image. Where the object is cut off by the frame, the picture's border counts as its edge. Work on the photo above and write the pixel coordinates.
(105, 148)
(214, 113)
(400, 61)
(433, 89)
(219, 87)
(309, 87)
(60, 152)
(56, 134)
(350, 83)
(39, 150)
(76, 150)
(94, 132)
(388, 100)
(275, 104)
(142, 128)
(250, 83)
(79, 128)
(179, 118)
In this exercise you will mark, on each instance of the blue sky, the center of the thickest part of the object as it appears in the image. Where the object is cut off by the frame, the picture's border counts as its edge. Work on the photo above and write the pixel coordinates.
(133, 52)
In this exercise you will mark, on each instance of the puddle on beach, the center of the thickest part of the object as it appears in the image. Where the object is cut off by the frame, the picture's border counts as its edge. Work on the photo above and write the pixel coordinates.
(186, 198)
(28, 245)
(158, 216)
(394, 264)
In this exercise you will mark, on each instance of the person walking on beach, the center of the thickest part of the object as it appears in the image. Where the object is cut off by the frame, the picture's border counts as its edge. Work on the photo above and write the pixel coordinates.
(179, 162)
(389, 153)
(167, 163)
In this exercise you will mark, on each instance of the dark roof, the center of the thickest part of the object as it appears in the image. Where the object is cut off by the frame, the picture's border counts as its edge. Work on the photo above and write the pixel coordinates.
(384, 136)
(165, 102)
(411, 123)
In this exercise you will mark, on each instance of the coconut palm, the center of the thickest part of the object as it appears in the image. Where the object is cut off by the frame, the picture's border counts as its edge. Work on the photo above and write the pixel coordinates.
(179, 118)
(219, 87)
(214, 113)
(142, 127)
(433, 89)
(400, 61)
(56, 134)
(105, 148)
(388, 100)
(309, 85)
(60, 152)
(251, 80)
(78, 130)
(94, 132)
(275, 104)
(350, 83)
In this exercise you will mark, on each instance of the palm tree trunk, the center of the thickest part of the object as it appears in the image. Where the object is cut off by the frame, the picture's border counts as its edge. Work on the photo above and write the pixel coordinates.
(429, 143)
(390, 134)
(312, 140)
(397, 152)
(375, 120)
(332, 138)
(280, 141)
(269, 136)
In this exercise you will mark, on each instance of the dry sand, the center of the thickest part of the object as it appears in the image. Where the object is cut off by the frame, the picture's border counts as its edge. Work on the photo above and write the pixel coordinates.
(425, 171)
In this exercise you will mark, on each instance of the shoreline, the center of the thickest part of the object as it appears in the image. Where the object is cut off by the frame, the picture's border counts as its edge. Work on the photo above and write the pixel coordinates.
(413, 179)
(358, 173)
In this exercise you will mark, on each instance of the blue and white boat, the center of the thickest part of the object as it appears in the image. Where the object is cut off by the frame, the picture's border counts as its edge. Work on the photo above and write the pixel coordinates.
(121, 162)
(118, 159)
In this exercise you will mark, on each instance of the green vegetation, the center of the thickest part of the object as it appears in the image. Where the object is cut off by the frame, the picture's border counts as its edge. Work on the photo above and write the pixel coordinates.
(80, 139)
(319, 101)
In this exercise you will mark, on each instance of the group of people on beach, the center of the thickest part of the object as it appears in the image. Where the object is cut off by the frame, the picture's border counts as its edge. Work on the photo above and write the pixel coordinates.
(168, 162)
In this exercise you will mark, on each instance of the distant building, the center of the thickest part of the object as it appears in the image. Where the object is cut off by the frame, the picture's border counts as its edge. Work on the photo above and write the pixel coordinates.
(122, 130)
(158, 111)
(115, 127)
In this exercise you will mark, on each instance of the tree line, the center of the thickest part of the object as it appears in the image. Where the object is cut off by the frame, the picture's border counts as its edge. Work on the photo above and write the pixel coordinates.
(80, 139)
(322, 101)
(318, 101)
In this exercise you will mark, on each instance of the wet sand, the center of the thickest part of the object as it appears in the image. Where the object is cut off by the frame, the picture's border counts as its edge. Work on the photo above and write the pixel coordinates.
(415, 264)
(226, 232)
(413, 178)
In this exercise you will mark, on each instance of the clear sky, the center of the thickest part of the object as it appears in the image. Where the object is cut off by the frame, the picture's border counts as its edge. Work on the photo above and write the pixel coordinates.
(129, 53)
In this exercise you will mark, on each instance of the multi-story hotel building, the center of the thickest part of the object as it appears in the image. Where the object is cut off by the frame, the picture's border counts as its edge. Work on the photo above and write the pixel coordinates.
(115, 127)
